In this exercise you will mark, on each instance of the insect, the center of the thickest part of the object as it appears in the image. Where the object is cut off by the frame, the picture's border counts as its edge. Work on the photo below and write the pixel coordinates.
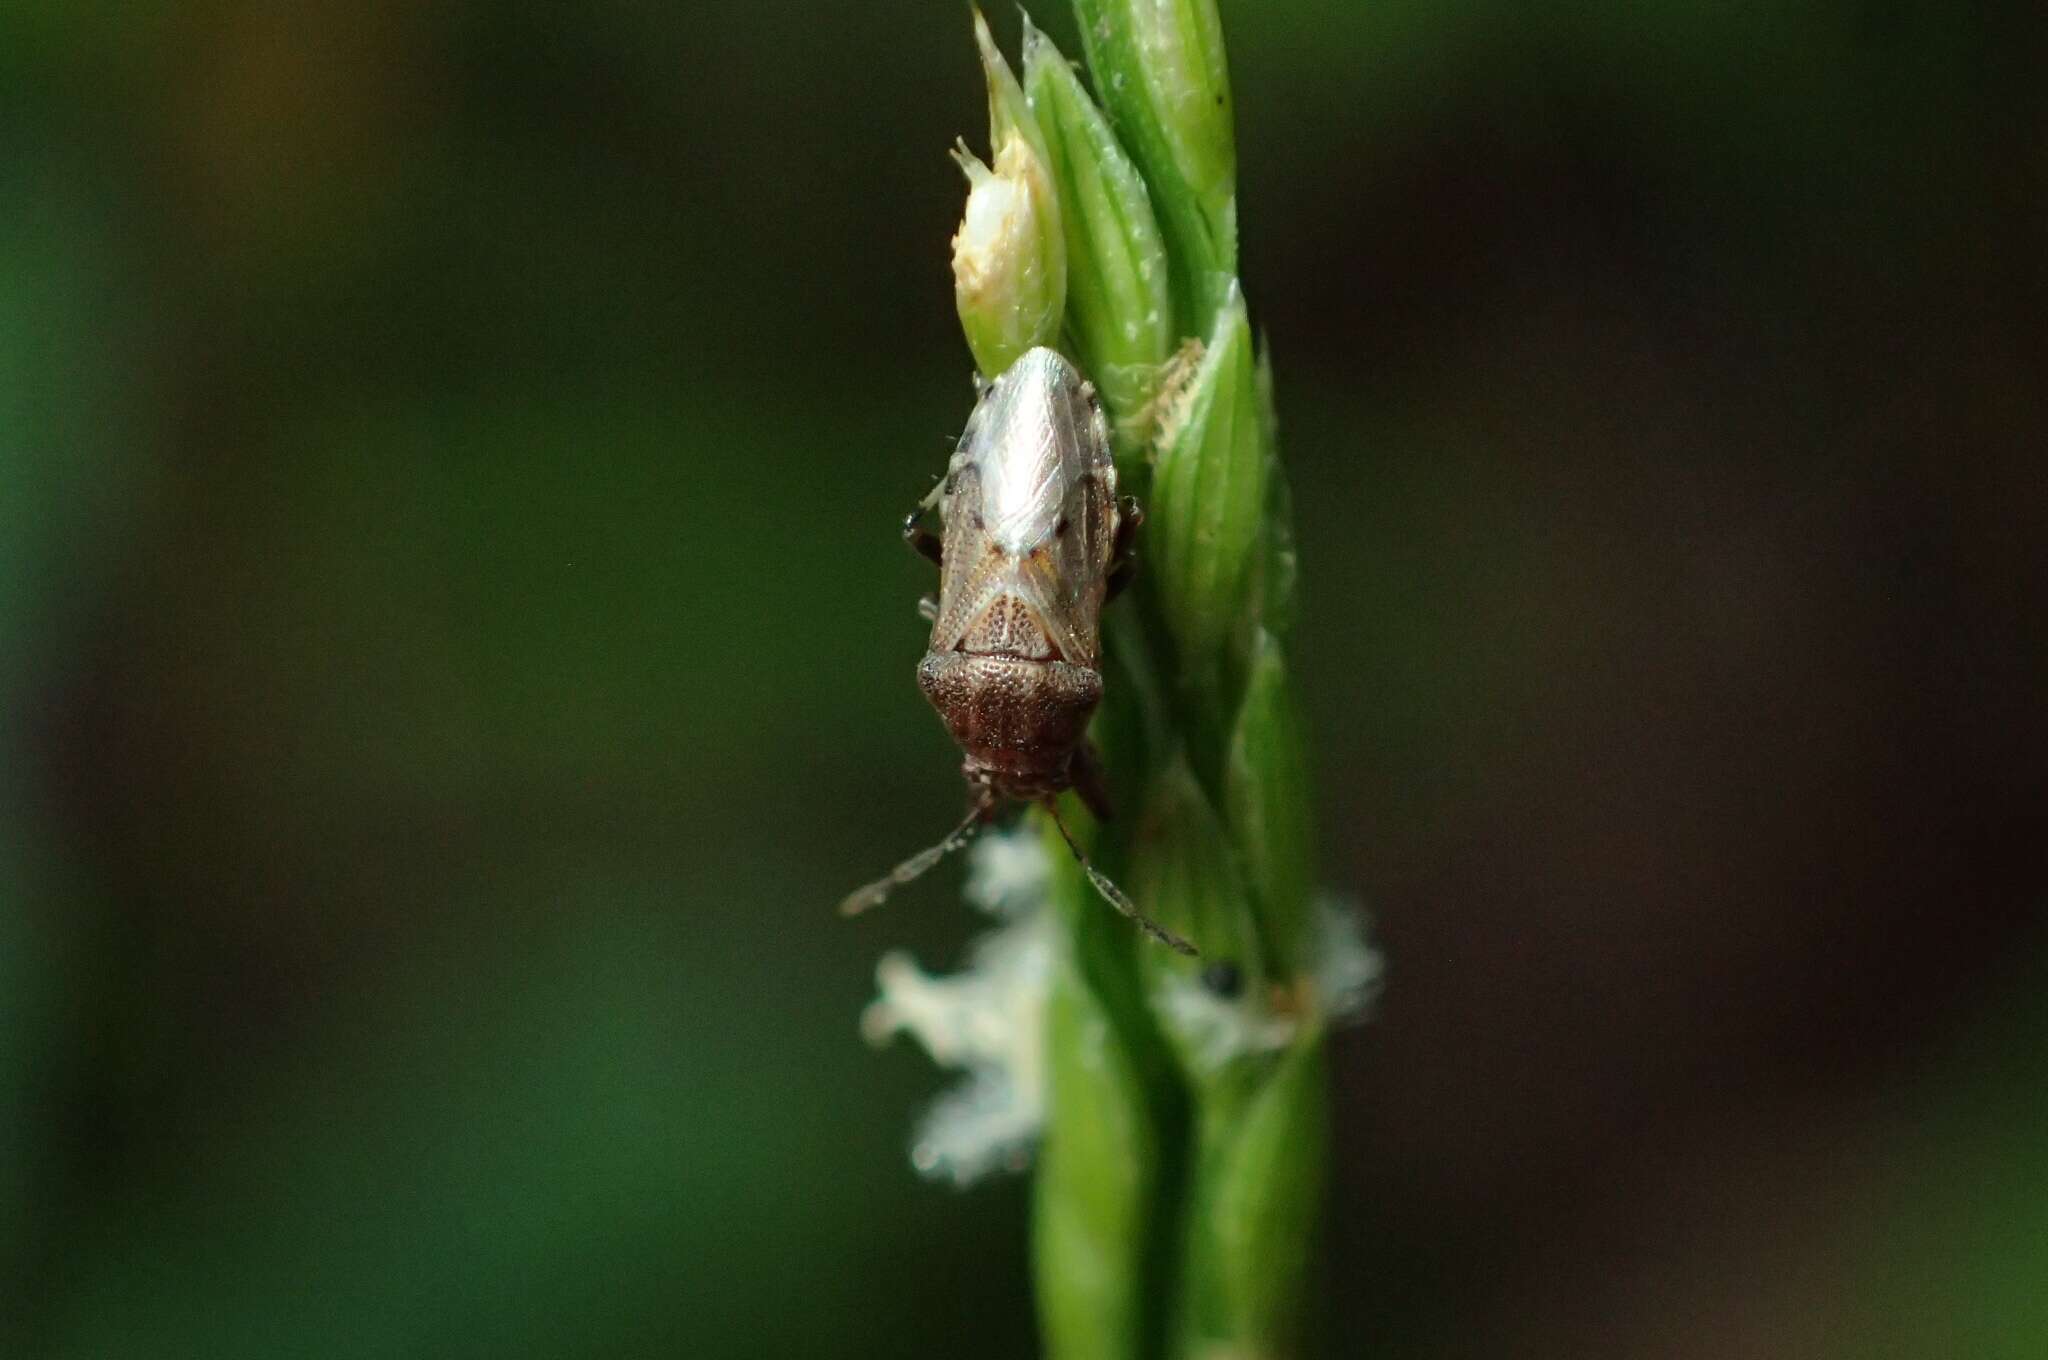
(1035, 542)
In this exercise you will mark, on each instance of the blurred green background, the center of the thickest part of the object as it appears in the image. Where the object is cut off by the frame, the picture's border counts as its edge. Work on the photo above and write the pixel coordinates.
(454, 651)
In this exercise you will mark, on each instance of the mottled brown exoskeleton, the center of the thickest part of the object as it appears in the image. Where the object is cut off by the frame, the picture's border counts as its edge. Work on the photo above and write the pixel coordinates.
(1035, 542)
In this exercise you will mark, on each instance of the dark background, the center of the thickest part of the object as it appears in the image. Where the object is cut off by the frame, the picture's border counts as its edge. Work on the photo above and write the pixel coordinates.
(454, 650)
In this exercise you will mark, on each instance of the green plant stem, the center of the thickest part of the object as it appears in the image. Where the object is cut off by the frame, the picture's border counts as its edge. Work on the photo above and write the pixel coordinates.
(1194, 1239)
(1184, 1142)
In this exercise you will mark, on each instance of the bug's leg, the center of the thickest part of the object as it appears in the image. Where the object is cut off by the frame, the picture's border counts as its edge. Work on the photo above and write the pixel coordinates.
(862, 899)
(1123, 555)
(1086, 772)
(928, 609)
(1115, 896)
(921, 540)
(1120, 576)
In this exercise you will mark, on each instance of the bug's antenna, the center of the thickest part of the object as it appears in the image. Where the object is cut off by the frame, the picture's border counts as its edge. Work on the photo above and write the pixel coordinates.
(1114, 895)
(877, 892)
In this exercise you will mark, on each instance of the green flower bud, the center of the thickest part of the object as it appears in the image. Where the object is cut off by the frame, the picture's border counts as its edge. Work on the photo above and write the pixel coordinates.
(1252, 1220)
(1247, 1048)
(1010, 254)
(1184, 871)
(1209, 496)
(1119, 299)
(1180, 54)
(1265, 797)
(1160, 72)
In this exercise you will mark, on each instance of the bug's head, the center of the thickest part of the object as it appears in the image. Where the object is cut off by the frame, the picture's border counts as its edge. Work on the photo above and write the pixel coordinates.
(1004, 776)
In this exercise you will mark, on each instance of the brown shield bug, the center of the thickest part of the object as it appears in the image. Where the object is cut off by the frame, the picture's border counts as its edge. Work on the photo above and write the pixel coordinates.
(1035, 542)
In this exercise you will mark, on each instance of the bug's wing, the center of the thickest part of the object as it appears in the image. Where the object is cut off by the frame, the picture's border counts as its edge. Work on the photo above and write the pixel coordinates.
(1066, 603)
(1065, 577)
(971, 569)
(1062, 604)
(1031, 509)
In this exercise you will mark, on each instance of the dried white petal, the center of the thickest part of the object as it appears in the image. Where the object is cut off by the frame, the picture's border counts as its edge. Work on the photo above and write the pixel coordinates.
(1343, 981)
(987, 1020)
(1217, 1029)
(1008, 874)
(1348, 971)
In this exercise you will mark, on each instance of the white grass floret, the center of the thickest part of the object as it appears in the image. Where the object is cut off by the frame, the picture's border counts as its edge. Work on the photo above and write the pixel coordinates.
(1343, 982)
(988, 1020)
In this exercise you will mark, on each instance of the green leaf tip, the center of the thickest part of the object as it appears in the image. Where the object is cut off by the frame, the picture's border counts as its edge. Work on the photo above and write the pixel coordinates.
(1120, 315)
(1161, 73)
